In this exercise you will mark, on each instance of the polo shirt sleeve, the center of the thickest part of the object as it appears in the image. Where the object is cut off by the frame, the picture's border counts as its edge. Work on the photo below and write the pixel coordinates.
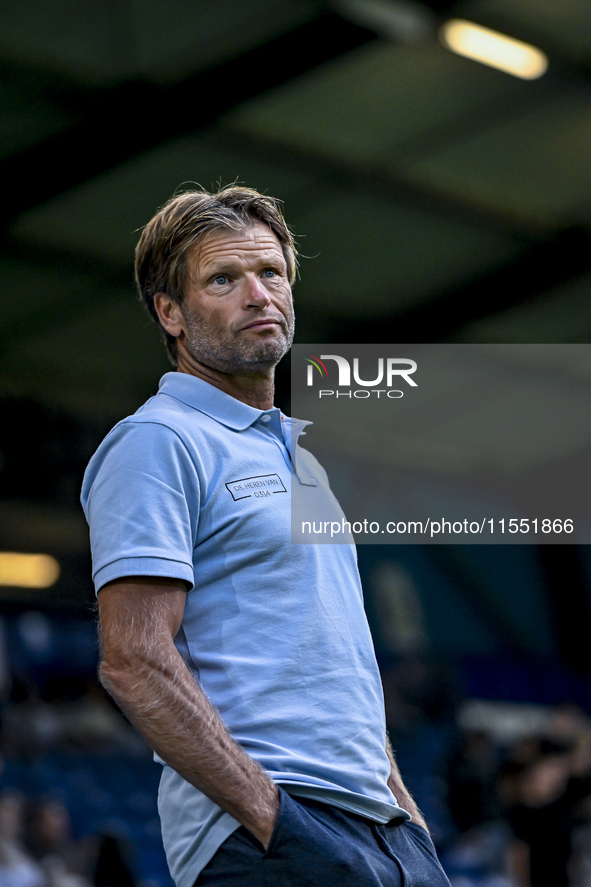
(141, 497)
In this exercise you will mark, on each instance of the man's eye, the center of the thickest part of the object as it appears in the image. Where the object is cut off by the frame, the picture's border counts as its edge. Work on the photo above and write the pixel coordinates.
(221, 279)
(269, 272)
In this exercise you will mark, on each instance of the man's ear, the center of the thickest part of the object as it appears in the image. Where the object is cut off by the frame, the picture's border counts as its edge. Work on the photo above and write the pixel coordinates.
(170, 314)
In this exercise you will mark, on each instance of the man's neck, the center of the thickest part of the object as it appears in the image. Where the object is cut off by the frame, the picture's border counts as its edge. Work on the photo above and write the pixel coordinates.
(256, 389)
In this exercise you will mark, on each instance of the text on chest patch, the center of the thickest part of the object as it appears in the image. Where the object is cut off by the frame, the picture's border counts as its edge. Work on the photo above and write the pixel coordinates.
(259, 486)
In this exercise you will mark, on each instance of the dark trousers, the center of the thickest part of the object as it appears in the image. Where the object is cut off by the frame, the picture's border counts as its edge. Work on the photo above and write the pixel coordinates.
(315, 845)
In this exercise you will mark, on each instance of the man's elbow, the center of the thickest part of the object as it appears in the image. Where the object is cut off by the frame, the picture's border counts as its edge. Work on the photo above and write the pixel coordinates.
(117, 673)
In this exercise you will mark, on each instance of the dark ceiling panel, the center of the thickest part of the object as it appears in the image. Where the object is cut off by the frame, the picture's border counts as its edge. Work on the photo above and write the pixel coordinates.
(561, 314)
(561, 257)
(533, 166)
(101, 218)
(26, 118)
(103, 43)
(133, 117)
(384, 100)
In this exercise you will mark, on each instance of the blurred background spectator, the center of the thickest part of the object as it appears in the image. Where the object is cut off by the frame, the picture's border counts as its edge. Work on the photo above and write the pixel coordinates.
(17, 867)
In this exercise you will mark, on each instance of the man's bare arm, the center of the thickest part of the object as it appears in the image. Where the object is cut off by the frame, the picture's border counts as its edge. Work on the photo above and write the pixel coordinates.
(400, 791)
(142, 669)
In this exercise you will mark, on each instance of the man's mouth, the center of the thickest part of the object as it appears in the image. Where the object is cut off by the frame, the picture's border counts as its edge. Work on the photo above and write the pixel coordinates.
(262, 323)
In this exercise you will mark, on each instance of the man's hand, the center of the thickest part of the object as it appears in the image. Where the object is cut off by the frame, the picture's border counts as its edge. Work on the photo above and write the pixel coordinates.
(142, 669)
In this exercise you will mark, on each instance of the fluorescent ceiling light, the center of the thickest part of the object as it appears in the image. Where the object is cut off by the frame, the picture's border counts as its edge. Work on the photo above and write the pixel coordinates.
(494, 49)
(28, 570)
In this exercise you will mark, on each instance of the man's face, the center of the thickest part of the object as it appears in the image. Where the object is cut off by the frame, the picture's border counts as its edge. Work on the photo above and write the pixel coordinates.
(237, 311)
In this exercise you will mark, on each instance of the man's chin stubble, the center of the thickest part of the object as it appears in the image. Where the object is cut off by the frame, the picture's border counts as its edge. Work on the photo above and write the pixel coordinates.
(241, 357)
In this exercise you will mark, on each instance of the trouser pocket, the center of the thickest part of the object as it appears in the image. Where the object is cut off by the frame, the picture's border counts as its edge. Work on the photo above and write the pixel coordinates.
(315, 845)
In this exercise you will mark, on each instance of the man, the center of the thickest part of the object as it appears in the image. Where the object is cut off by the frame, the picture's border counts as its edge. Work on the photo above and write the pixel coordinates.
(244, 660)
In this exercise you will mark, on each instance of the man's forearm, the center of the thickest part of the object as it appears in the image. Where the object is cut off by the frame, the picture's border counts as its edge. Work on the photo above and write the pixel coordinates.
(398, 788)
(153, 686)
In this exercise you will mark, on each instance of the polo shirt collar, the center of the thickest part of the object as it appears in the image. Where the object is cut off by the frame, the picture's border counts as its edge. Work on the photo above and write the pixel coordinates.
(210, 400)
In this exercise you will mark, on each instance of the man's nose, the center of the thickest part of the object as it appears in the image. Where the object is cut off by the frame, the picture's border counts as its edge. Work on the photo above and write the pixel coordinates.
(256, 294)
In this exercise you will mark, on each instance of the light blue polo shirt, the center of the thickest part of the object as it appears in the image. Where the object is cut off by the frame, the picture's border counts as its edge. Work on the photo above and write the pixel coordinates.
(196, 486)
